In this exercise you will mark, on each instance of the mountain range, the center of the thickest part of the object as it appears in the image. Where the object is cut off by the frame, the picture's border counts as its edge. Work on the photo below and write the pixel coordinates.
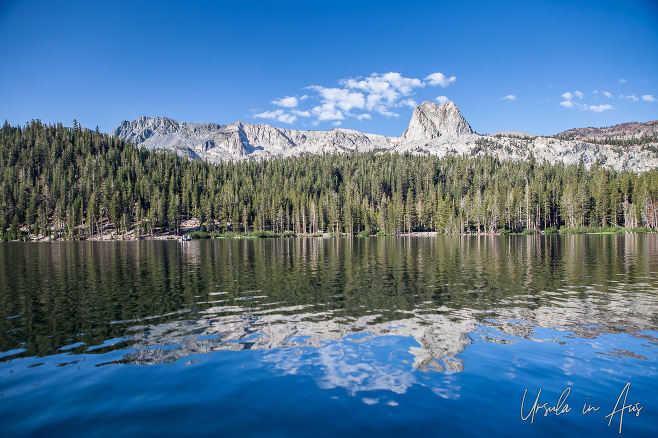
(434, 130)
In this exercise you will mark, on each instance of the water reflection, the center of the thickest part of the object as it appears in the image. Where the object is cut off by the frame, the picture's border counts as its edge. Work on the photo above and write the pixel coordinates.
(165, 301)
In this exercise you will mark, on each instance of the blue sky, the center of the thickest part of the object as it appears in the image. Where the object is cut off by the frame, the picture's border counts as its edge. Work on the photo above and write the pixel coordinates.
(534, 66)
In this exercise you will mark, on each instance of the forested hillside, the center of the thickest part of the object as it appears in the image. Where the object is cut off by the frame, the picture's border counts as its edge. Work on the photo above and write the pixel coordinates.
(70, 182)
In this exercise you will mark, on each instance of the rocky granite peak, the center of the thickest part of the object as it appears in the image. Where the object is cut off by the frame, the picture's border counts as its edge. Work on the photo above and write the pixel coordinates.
(438, 130)
(241, 140)
(430, 120)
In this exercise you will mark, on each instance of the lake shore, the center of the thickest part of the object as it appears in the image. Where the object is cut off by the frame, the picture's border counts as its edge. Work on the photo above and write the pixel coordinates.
(112, 236)
(192, 227)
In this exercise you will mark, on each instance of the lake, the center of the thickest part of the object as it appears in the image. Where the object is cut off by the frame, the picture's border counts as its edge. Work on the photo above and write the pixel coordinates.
(327, 337)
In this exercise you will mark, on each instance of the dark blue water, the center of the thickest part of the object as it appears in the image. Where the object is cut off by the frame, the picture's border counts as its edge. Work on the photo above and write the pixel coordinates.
(331, 337)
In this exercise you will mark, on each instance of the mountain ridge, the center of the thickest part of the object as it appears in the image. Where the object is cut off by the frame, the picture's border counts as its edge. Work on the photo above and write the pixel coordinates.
(628, 130)
(433, 130)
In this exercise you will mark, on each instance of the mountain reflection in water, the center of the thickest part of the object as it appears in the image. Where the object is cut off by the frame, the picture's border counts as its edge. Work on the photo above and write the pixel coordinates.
(168, 300)
(329, 337)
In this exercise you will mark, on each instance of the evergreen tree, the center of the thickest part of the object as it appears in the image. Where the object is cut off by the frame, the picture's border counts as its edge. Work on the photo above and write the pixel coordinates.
(74, 181)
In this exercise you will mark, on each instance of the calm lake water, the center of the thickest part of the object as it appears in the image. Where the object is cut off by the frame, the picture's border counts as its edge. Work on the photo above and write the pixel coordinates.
(324, 337)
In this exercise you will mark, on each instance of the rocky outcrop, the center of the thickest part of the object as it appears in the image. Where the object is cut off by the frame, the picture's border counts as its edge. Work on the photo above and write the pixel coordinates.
(437, 130)
(240, 140)
(430, 120)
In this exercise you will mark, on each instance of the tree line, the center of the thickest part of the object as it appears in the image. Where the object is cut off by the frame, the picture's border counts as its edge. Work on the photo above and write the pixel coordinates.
(74, 182)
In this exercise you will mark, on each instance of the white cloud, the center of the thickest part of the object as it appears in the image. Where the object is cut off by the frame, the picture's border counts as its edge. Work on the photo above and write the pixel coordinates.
(372, 85)
(387, 84)
(269, 114)
(600, 108)
(385, 112)
(328, 111)
(287, 118)
(605, 93)
(408, 102)
(632, 97)
(622, 81)
(569, 95)
(286, 102)
(384, 90)
(509, 97)
(377, 93)
(279, 115)
(340, 97)
(337, 123)
(648, 98)
(404, 85)
(439, 79)
(373, 100)
(568, 99)
(442, 99)
(376, 86)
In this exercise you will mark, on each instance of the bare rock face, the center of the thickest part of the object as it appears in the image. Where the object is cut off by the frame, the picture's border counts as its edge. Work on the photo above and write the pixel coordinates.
(187, 139)
(241, 140)
(246, 140)
(437, 130)
(430, 120)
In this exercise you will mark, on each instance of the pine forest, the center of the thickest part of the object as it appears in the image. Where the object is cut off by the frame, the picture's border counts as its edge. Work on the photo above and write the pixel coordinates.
(72, 183)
